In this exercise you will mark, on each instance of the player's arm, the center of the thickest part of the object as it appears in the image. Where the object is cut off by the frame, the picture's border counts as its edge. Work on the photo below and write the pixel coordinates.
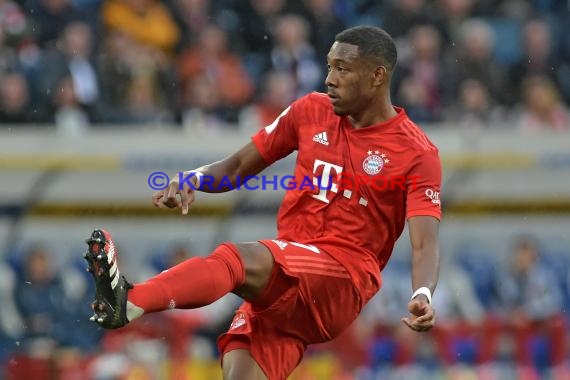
(424, 231)
(222, 176)
(268, 145)
(216, 177)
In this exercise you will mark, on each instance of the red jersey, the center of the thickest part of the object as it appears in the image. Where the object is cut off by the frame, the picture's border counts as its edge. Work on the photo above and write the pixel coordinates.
(366, 183)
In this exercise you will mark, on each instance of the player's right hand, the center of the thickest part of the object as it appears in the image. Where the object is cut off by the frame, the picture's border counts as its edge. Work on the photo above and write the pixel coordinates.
(175, 196)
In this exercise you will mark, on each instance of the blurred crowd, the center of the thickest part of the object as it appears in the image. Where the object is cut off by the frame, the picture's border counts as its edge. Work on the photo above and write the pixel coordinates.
(492, 308)
(46, 334)
(216, 64)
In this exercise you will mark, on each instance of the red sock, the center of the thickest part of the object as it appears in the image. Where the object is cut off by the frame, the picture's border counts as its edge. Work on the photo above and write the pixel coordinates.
(194, 283)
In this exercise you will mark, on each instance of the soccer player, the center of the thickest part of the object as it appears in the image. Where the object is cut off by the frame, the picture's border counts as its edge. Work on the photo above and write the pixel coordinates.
(310, 282)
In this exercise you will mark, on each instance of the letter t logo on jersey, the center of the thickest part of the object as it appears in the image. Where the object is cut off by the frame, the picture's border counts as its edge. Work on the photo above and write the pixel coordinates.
(326, 182)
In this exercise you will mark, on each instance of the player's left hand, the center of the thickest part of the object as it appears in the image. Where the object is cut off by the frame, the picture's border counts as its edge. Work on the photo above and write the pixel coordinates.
(422, 315)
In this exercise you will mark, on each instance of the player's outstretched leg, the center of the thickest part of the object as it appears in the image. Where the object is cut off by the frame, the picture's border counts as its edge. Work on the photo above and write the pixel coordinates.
(240, 268)
(111, 288)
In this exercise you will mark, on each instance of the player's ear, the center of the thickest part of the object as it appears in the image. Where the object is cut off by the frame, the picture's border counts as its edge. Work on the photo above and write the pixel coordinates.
(380, 75)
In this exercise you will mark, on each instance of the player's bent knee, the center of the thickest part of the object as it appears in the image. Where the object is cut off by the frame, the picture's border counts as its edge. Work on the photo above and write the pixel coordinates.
(239, 365)
(258, 263)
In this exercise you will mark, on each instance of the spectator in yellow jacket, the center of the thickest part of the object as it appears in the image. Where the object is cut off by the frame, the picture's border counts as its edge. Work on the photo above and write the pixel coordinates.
(146, 21)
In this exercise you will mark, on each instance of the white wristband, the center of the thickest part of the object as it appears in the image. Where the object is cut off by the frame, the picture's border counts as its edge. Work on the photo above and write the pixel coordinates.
(423, 290)
(198, 175)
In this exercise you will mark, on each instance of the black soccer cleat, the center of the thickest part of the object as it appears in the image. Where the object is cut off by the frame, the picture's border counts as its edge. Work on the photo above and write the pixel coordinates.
(111, 288)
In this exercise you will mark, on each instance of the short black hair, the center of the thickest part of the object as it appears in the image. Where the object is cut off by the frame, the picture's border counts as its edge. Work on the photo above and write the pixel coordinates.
(372, 42)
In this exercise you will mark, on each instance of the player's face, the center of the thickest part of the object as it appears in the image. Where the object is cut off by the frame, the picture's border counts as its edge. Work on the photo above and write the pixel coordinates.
(348, 81)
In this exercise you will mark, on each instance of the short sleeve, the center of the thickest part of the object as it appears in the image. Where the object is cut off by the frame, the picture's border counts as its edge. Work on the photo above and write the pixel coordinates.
(423, 186)
(278, 139)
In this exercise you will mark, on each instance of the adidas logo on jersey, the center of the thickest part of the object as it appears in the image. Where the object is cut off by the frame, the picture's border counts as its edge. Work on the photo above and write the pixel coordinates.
(321, 138)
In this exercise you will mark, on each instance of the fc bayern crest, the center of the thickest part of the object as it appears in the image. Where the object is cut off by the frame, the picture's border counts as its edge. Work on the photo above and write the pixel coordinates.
(374, 163)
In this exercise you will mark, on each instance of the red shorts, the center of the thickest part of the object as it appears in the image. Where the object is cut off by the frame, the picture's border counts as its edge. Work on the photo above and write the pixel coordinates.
(318, 303)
